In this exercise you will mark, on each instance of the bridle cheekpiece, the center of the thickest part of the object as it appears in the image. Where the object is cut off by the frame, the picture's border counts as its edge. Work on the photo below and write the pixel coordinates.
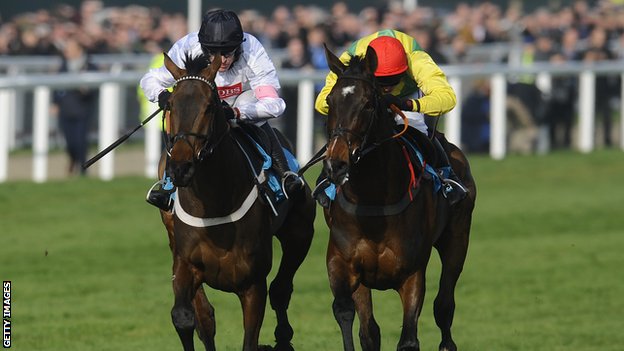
(207, 148)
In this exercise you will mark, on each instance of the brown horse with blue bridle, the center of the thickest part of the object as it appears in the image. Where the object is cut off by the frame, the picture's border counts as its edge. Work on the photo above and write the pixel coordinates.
(221, 227)
(387, 215)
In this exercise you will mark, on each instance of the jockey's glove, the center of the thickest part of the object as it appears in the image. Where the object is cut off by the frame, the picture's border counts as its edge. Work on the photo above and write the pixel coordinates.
(230, 113)
(163, 99)
(402, 104)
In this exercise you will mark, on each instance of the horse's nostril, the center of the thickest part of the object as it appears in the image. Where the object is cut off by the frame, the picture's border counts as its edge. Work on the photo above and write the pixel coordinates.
(337, 171)
(181, 172)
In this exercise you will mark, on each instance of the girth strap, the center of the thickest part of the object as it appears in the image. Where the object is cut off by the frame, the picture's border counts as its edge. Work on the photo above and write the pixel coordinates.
(373, 211)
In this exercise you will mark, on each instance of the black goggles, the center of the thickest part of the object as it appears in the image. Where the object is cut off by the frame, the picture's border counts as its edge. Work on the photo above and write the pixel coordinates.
(224, 53)
(389, 81)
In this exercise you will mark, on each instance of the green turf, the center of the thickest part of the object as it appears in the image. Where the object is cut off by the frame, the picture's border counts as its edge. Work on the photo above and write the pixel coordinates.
(90, 266)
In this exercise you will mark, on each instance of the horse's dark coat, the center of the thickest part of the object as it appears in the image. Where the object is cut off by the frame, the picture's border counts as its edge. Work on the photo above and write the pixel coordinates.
(386, 252)
(213, 181)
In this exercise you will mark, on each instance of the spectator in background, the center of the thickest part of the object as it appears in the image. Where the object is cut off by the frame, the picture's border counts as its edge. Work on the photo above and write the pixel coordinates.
(606, 86)
(344, 25)
(75, 106)
(316, 38)
(544, 47)
(569, 47)
(458, 51)
(277, 28)
(475, 117)
(429, 42)
(560, 107)
(298, 58)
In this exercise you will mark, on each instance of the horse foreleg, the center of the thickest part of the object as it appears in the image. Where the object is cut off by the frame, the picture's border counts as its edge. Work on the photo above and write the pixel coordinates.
(204, 316)
(295, 239)
(253, 302)
(452, 252)
(412, 293)
(182, 313)
(370, 338)
(341, 283)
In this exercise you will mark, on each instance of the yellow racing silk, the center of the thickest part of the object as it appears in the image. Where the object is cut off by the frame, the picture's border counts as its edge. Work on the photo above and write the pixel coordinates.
(423, 76)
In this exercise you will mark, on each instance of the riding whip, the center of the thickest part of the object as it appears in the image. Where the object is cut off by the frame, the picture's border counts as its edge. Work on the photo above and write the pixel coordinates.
(101, 154)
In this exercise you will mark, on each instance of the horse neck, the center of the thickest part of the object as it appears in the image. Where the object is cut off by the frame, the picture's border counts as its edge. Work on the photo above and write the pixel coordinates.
(382, 173)
(222, 178)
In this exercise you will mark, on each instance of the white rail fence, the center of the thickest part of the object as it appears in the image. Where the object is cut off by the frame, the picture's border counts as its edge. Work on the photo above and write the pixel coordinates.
(112, 84)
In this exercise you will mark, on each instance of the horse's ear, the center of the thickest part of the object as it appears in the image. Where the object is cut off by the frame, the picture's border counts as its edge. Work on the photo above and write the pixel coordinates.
(210, 72)
(335, 65)
(175, 71)
(370, 60)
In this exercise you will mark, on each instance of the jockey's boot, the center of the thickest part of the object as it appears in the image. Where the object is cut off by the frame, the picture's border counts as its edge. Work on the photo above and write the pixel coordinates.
(322, 183)
(452, 188)
(292, 183)
(160, 194)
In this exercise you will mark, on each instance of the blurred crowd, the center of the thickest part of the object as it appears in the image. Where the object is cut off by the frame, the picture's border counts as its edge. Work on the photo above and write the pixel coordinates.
(447, 33)
(580, 30)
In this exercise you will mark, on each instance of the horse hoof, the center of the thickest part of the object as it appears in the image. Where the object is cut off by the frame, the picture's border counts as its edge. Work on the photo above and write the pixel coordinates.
(284, 347)
(448, 346)
(265, 348)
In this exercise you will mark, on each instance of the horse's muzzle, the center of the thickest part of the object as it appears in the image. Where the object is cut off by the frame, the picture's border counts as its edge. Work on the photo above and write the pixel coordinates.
(337, 171)
(181, 172)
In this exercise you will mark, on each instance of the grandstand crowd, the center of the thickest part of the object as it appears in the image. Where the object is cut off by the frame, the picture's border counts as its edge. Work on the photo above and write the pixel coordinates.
(580, 30)
(446, 33)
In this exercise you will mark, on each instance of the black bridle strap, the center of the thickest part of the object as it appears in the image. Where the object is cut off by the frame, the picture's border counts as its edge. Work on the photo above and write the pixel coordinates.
(204, 150)
(366, 149)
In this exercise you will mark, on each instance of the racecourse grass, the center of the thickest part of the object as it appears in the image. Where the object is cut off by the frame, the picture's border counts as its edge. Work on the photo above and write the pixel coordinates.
(90, 266)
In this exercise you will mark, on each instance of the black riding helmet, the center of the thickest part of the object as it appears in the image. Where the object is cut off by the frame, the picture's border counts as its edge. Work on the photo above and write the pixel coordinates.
(221, 30)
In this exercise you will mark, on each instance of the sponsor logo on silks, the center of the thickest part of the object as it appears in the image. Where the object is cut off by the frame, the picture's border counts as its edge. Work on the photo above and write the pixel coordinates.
(229, 91)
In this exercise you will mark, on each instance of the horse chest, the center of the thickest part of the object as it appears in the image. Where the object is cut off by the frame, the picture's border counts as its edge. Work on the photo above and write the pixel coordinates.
(228, 269)
(376, 263)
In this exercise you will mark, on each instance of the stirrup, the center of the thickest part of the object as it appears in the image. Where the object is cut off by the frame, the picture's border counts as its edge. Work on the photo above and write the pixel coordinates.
(319, 194)
(453, 190)
(161, 198)
(456, 183)
(296, 184)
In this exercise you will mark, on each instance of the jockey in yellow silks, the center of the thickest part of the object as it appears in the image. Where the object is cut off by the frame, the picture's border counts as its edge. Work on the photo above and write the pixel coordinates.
(409, 79)
(419, 84)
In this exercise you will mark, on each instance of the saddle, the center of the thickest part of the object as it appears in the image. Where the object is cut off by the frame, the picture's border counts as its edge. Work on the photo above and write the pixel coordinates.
(254, 143)
(422, 149)
(424, 145)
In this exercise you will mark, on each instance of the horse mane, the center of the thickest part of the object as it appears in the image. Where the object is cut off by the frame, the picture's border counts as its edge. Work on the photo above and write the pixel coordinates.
(356, 65)
(194, 65)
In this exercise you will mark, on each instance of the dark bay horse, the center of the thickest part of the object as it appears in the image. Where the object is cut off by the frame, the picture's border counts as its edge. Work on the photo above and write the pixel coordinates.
(386, 216)
(220, 233)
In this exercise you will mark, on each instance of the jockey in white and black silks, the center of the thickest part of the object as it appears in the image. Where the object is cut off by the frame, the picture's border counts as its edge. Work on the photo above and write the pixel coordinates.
(246, 71)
